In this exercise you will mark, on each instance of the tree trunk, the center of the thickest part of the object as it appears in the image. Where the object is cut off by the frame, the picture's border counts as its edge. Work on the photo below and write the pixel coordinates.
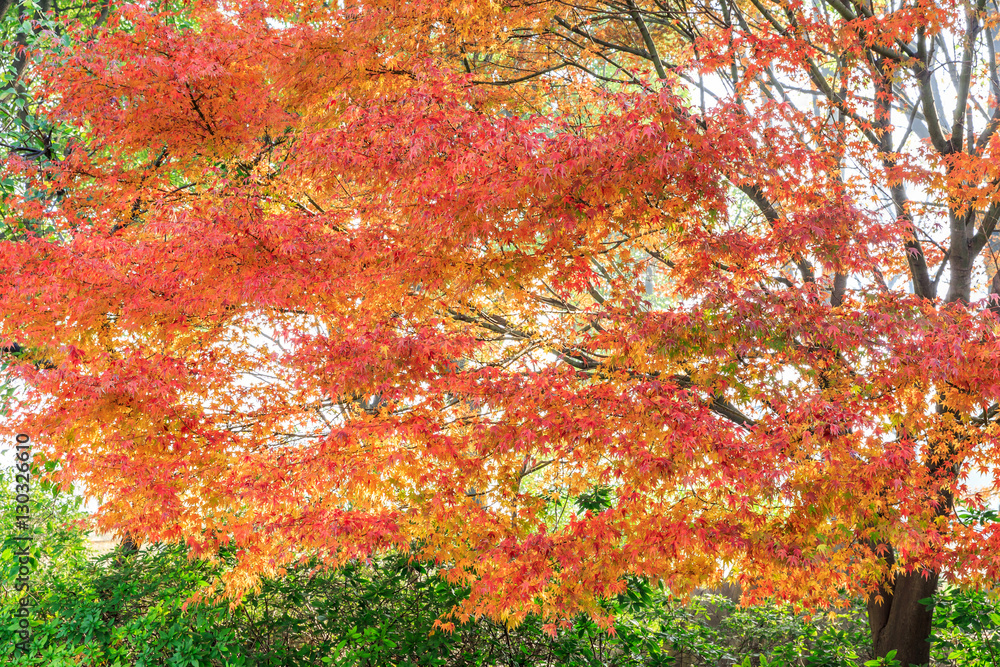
(901, 622)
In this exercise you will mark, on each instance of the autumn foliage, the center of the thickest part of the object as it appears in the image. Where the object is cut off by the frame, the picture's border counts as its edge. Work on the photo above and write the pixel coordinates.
(418, 275)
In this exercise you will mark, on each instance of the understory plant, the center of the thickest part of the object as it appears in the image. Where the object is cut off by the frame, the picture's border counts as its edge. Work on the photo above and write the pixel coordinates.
(134, 609)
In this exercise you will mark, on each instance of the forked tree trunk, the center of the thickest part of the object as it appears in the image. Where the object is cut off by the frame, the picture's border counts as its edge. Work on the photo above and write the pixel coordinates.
(901, 622)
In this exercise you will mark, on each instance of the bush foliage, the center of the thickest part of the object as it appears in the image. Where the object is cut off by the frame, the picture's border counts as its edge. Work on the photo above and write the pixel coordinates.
(132, 609)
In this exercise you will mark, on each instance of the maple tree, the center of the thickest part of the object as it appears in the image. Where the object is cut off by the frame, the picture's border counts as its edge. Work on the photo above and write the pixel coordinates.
(335, 280)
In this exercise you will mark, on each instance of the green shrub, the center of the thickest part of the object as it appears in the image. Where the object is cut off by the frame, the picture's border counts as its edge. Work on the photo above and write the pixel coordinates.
(966, 628)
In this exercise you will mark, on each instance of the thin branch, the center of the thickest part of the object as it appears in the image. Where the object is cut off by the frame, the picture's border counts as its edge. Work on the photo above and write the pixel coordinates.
(927, 98)
(647, 39)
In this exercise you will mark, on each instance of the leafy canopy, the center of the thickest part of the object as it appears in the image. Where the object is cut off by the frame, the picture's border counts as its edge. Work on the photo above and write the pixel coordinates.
(402, 275)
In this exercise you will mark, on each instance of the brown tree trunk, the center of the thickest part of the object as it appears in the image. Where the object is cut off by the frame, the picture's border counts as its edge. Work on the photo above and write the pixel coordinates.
(128, 547)
(901, 622)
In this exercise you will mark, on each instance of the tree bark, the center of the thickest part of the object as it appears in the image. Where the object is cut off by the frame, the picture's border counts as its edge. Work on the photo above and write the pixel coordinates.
(901, 622)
